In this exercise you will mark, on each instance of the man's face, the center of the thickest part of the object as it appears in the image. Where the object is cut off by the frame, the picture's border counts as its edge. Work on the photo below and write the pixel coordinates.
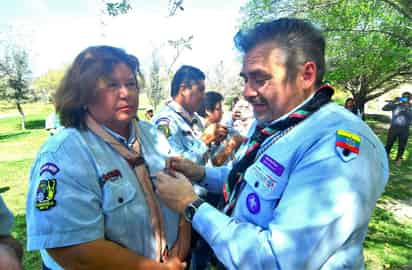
(216, 114)
(267, 87)
(193, 96)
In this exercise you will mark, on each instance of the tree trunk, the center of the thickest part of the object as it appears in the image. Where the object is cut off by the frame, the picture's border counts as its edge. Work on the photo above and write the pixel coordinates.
(23, 119)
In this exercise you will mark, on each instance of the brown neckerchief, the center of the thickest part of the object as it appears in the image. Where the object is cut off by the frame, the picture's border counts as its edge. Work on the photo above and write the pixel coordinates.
(137, 162)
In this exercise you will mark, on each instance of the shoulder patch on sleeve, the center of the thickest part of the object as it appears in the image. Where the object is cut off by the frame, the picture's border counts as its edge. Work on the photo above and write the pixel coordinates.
(46, 191)
(347, 144)
(162, 120)
(49, 167)
(164, 128)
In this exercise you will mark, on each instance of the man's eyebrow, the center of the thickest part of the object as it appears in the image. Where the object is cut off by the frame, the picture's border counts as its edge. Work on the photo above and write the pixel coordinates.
(254, 73)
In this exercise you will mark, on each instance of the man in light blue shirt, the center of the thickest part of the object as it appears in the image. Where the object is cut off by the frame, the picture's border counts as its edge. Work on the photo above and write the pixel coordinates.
(302, 191)
(179, 121)
(184, 129)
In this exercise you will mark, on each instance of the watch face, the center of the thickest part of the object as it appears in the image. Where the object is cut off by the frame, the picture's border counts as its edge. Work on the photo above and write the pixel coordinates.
(189, 212)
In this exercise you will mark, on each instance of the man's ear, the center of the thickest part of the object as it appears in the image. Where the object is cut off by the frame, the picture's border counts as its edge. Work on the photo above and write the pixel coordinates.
(309, 72)
(183, 90)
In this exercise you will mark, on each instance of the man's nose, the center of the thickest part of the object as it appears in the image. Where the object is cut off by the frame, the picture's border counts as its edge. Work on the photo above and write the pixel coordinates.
(249, 90)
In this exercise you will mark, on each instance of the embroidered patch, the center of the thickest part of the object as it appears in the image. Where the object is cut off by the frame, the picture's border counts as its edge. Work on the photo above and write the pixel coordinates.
(253, 203)
(165, 129)
(162, 120)
(348, 140)
(268, 181)
(272, 164)
(46, 191)
(49, 167)
(112, 175)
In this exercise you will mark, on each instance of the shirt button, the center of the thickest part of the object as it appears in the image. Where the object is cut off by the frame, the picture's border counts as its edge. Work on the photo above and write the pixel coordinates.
(120, 199)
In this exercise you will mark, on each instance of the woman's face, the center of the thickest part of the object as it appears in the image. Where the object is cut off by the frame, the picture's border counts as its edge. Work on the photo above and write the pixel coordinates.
(116, 101)
(216, 115)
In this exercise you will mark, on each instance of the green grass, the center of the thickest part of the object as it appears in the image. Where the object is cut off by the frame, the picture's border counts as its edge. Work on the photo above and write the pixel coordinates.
(387, 246)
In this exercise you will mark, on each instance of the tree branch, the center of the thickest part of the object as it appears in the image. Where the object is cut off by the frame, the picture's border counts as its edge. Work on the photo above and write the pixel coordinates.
(399, 9)
(407, 41)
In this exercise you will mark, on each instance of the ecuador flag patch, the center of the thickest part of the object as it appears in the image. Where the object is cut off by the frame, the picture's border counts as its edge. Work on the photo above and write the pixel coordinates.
(348, 140)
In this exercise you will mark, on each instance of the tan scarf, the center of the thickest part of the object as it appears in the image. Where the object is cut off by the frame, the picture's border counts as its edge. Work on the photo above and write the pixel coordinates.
(136, 160)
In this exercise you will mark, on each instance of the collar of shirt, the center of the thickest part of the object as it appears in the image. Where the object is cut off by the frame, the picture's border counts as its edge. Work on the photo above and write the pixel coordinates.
(127, 142)
(179, 109)
(290, 112)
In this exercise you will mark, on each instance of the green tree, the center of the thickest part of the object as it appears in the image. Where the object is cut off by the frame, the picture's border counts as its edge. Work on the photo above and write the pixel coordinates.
(46, 84)
(15, 78)
(155, 92)
(368, 41)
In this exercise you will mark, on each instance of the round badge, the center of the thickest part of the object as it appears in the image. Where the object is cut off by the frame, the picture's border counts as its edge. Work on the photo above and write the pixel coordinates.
(253, 203)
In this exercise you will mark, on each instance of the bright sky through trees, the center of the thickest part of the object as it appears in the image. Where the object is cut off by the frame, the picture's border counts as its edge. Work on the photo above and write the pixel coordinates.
(54, 31)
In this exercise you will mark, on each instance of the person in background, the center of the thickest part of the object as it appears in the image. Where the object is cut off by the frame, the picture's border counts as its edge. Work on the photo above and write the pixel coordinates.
(179, 121)
(302, 192)
(52, 124)
(350, 105)
(401, 120)
(90, 202)
(188, 137)
(11, 251)
(242, 117)
(211, 110)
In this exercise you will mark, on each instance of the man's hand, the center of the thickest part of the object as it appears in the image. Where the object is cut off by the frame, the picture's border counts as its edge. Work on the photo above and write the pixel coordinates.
(221, 133)
(190, 169)
(214, 133)
(175, 190)
(175, 264)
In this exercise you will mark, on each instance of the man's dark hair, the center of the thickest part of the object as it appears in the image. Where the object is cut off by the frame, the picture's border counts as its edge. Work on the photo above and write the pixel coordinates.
(298, 38)
(186, 75)
(209, 102)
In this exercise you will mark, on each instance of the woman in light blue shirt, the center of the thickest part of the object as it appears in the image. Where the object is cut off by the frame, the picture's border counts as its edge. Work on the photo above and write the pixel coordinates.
(90, 202)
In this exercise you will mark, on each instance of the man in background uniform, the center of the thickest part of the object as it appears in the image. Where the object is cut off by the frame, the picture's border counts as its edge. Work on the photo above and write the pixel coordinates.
(179, 121)
(302, 194)
(184, 129)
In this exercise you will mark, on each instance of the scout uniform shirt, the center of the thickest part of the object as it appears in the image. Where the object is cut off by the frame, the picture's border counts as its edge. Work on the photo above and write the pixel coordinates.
(306, 200)
(183, 132)
(82, 190)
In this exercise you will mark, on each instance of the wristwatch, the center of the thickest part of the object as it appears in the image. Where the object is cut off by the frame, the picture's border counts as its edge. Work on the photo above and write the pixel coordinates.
(191, 209)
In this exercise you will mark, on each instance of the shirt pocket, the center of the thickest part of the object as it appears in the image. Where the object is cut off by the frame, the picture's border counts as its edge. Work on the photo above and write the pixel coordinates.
(118, 197)
(261, 195)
